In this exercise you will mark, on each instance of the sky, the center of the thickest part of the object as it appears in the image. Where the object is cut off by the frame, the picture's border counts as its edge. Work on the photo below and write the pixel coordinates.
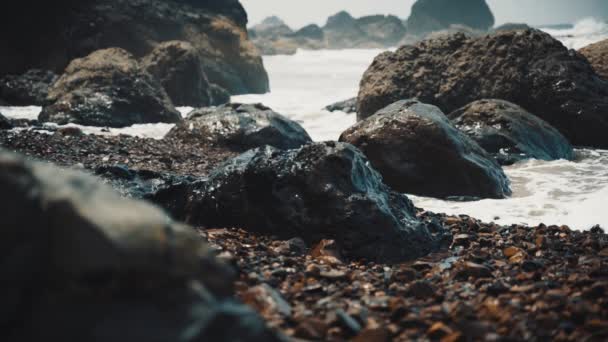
(298, 13)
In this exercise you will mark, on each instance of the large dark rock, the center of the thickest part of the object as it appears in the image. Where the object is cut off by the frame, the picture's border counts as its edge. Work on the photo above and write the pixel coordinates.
(176, 65)
(434, 15)
(529, 68)
(241, 126)
(510, 133)
(5, 123)
(29, 89)
(346, 106)
(321, 191)
(80, 263)
(108, 88)
(597, 55)
(56, 33)
(417, 150)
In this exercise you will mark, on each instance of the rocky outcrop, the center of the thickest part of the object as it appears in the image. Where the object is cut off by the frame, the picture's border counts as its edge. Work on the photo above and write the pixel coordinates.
(271, 27)
(346, 106)
(597, 55)
(57, 33)
(435, 15)
(107, 88)
(529, 68)
(81, 263)
(242, 127)
(510, 133)
(312, 31)
(5, 123)
(176, 65)
(29, 89)
(418, 151)
(321, 191)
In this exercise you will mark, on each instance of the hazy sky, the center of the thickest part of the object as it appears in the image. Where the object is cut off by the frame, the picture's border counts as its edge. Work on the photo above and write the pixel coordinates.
(298, 13)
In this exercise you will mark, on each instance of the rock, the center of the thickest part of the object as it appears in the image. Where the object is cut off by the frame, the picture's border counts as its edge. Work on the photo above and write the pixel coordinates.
(312, 31)
(529, 68)
(29, 89)
(434, 15)
(107, 88)
(597, 55)
(418, 150)
(510, 133)
(241, 126)
(271, 27)
(468, 269)
(81, 263)
(511, 27)
(320, 191)
(70, 29)
(387, 30)
(176, 65)
(5, 123)
(346, 106)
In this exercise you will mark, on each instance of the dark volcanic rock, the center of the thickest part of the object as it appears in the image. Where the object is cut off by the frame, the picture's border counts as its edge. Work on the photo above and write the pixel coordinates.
(80, 263)
(529, 68)
(510, 132)
(434, 15)
(176, 65)
(108, 88)
(417, 150)
(597, 55)
(321, 191)
(56, 33)
(346, 106)
(5, 123)
(29, 89)
(241, 126)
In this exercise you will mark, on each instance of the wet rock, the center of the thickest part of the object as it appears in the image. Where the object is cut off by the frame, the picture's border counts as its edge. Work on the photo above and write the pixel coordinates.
(107, 88)
(597, 55)
(434, 15)
(29, 89)
(411, 144)
(242, 126)
(346, 106)
(468, 269)
(266, 300)
(320, 191)
(176, 65)
(510, 133)
(529, 68)
(81, 263)
(328, 251)
(5, 123)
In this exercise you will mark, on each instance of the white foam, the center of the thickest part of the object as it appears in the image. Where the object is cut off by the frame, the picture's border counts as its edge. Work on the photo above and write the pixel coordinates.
(584, 32)
(28, 112)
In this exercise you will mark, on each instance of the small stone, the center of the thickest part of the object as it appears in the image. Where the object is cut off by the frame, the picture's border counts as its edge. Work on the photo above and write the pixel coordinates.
(266, 300)
(511, 251)
(439, 330)
(311, 329)
(471, 269)
(348, 322)
(373, 335)
(421, 289)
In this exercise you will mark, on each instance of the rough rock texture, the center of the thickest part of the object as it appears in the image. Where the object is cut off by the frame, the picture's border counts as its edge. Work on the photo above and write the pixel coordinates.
(417, 150)
(241, 126)
(5, 123)
(597, 55)
(510, 133)
(58, 32)
(434, 15)
(346, 106)
(29, 89)
(176, 65)
(321, 191)
(81, 263)
(107, 88)
(529, 68)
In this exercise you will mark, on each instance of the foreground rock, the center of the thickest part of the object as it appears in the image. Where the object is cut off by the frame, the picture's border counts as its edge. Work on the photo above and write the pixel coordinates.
(435, 15)
(107, 88)
(29, 89)
(417, 150)
(241, 126)
(57, 33)
(4, 122)
(346, 106)
(321, 191)
(597, 55)
(510, 133)
(81, 263)
(529, 68)
(176, 65)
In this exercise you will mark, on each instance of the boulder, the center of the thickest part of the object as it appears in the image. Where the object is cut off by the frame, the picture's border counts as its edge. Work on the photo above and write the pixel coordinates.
(29, 89)
(80, 263)
(511, 133)
(5, 123)
(512, 26)
(320, 191)
(434, 15)
(241, 126)
(418, 151)
(176, 65)
(58, 32)
(529, 68)
(388, 30)
(346, 106)
(271, 27)
(107, 88)
(597, 55)
(342, 31)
